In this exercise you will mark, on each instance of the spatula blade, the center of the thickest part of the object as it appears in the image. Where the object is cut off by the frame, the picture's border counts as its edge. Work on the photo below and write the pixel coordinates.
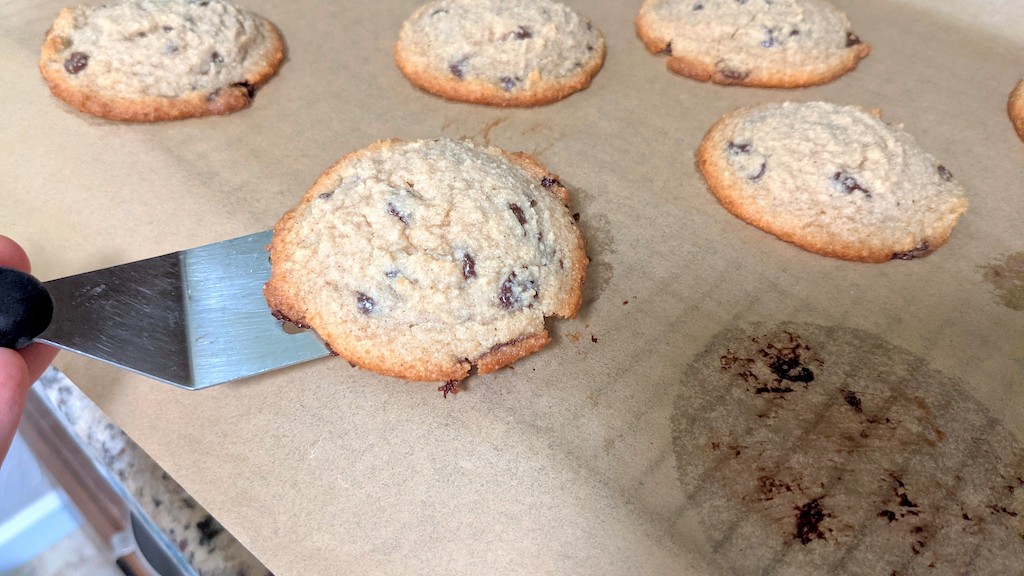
(194, 318)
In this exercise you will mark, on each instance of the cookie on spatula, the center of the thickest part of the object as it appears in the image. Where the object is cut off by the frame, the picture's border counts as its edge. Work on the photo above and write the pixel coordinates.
(424, 259)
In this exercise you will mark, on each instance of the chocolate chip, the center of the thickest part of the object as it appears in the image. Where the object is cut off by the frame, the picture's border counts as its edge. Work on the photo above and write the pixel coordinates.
(550, 183)
(575, 216)
(852, 39)
(326, 195)
(170, 48)
(365, 303)
(760, 172)
(402, 216)
(733, 75)
(698, 6)
(438, 12)
(250, 90)
(468, 266)
(734, 148)
(944, 173)
(213, 96)
(518, 212)
(216, 58)
(167, 28)
(458, 68)
(847, 184)
(512, 291)
(76, 62)
(919, 250)
(391, 273)
(769, 38)
(520, 33)
(667, 50)
(508, 83)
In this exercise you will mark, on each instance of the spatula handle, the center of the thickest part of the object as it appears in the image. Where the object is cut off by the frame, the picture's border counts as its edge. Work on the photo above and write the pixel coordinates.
(25, 308)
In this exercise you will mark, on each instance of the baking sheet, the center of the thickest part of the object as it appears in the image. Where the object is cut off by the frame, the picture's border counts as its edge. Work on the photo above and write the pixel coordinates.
(635, 442)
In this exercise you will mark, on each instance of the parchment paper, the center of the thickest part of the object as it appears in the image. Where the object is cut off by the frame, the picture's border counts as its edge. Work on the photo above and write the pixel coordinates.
(640, 441)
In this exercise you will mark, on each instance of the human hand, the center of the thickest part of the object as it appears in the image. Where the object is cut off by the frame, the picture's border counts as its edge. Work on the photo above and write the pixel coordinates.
(18, 368)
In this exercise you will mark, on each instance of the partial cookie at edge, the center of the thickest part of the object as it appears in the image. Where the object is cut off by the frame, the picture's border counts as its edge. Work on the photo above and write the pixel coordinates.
(112, 105)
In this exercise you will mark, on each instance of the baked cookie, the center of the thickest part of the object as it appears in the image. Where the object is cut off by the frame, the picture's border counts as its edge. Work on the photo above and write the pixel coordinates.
(834, 180)
(768, 43)
(423, 259)
(152, 60)
(499, 52)
(1016, 108)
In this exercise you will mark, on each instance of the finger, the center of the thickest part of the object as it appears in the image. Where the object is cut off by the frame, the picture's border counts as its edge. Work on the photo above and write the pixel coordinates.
(13, 375)
(12, 255)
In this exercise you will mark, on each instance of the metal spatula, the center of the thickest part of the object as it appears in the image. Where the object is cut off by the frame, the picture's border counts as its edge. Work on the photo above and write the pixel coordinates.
(194, 318)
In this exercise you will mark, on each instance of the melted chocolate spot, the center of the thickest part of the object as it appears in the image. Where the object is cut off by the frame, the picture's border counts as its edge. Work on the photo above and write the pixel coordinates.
(468, 266)
(808, 522)
(391, 273)
(451, 386)
(853, 400)
(365, 303)
(789, 368)
(76, 62)
(847, 184)
(944, 173)
(852, 39)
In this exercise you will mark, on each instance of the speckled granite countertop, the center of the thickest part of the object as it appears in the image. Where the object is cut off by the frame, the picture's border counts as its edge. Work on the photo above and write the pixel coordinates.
(204, 543)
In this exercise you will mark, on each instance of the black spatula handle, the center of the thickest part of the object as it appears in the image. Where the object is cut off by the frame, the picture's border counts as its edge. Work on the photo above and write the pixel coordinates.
(25, 308)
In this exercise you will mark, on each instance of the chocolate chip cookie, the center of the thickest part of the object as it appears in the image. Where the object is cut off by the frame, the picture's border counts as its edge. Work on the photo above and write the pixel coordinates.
(423, 259)
(1016, 108)
(769, 43)
(499, 52)
(835, 180)
(149, 60)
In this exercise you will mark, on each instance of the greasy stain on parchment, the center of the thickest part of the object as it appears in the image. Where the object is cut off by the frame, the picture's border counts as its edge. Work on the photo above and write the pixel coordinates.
(807, 449)
(1007, 279)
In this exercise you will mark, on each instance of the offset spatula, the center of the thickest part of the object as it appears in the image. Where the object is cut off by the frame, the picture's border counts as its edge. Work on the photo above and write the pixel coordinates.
(194, 318)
